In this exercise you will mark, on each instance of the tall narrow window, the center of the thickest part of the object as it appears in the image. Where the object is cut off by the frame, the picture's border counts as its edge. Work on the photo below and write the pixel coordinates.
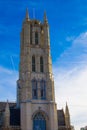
(30, 34)
(34, 89)
(41, 64)
(33, 63)
(43, 89)
(36, 38)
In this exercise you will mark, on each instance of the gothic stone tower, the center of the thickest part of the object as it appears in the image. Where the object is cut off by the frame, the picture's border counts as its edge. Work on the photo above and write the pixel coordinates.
(35, 91)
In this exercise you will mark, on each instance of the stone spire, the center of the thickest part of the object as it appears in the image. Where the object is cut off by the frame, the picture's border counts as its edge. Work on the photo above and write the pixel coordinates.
(45, 18)
(67, 110)
(27, 15)
(7, 115)
(67, 116)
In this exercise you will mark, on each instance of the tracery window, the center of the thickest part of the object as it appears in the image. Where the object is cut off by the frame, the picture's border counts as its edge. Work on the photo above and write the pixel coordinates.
(39, 122)
(41, 64)
(34, 89)
(43, 89)
(39, 116)
(36, 38)
(33, 63)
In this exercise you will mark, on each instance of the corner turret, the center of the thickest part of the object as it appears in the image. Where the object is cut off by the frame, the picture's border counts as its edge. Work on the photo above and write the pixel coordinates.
(67, 116)
(7, 115)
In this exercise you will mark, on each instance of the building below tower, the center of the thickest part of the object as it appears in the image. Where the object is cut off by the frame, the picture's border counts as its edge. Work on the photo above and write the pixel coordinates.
(14, 118)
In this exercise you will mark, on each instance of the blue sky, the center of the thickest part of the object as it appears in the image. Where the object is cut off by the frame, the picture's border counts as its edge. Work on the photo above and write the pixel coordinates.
(68, 39)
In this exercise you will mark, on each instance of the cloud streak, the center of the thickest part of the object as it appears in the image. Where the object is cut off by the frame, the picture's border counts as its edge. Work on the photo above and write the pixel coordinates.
(70, 72)
(8, 80)
(70, 81)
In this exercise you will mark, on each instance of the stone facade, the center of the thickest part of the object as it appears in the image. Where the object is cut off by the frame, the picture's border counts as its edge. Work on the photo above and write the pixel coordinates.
(11, 128)
(30, 48)
(35, 86)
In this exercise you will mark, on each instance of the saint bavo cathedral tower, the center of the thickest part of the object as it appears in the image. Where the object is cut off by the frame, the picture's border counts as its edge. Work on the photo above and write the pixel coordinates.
(36, 108)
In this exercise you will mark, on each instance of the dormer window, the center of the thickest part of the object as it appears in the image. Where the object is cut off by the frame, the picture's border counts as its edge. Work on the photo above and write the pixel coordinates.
(36, 38)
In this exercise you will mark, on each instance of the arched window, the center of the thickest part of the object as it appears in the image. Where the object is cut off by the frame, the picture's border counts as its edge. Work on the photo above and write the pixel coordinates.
(36, 38)
(43, 89)
(39, 122)
(41, 64)
(33, 63)
(34, 89)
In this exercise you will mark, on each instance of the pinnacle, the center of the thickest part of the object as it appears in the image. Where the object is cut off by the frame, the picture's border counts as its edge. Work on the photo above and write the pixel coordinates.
(27, 14)
(45, 17)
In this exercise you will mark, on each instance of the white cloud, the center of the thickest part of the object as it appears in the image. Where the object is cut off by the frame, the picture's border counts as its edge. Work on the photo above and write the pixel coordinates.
(81, 39)
(71, 80)
(70, 38)
(72, 87)
(8, 80)
(77, 53)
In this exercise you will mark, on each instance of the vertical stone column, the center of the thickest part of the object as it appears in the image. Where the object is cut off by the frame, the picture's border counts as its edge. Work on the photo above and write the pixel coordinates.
(7, 115)
(26, 116)
(53, 116)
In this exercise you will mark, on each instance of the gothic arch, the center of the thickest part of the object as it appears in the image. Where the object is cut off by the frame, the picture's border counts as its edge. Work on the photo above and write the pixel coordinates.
(40, 119)
(42, 112)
